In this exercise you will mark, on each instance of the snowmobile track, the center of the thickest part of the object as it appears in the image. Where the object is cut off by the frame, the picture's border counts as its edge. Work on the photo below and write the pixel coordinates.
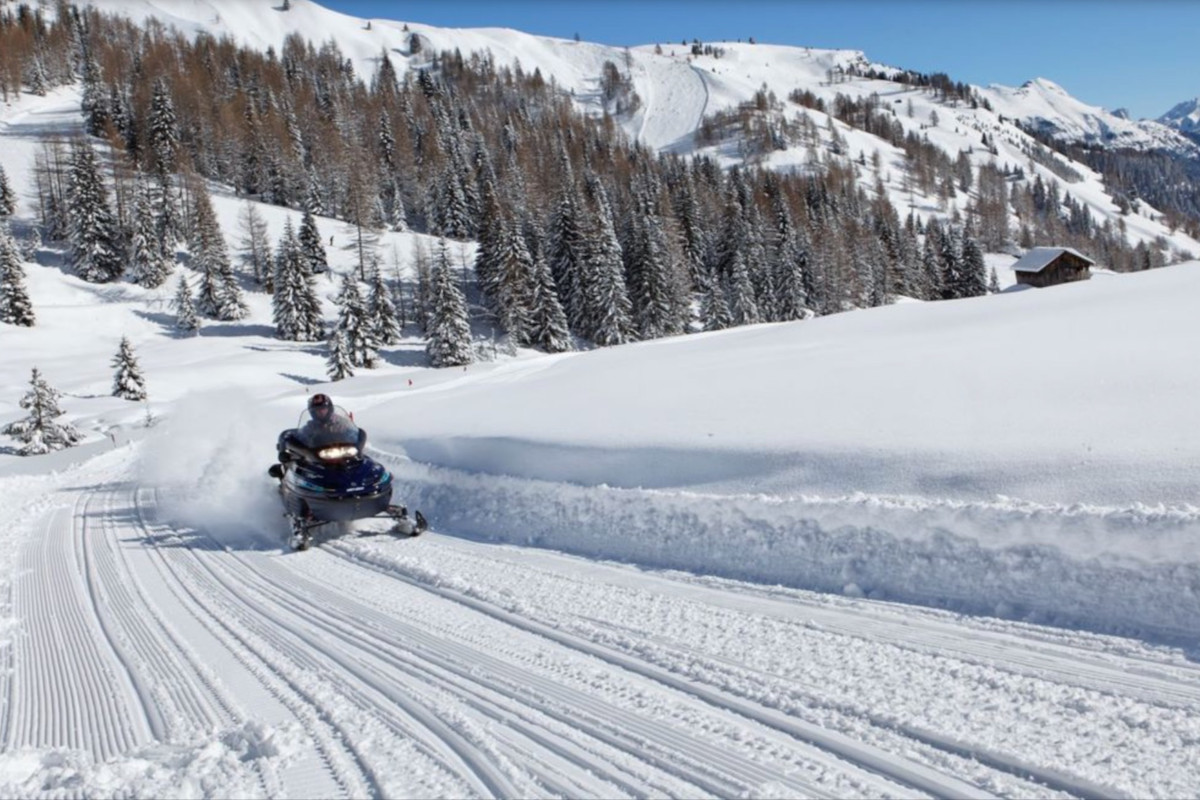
(369, 650)
(912, 775)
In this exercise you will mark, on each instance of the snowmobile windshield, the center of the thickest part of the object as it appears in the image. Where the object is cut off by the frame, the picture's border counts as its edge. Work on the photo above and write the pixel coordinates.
(335, 428)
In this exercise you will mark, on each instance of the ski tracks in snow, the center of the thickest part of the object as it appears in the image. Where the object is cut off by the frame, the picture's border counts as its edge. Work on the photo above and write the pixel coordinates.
(166, 656)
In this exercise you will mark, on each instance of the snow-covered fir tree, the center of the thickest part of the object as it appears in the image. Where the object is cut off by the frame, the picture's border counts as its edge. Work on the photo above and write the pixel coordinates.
(338, 365)
(714, 308)
(743, 307)
(548, 328)
(148, 264)
(354, 326)
(381, 309)
(164, 129)
(606, 308)
(92, 231)
(128, 381)
(15, 306)
(41, 432)
(993, 282)
(311, 247)
(566, 254)
(8, 201)
(295, 306)
(449, 336)
(186, 318)
(219, 294)
(513, 283)
(974, 270)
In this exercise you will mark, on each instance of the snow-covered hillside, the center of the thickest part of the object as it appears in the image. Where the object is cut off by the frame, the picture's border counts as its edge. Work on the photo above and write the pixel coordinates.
(678, 90)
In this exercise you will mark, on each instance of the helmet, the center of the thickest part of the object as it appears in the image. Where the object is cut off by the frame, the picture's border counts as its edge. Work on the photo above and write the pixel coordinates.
(321, 407)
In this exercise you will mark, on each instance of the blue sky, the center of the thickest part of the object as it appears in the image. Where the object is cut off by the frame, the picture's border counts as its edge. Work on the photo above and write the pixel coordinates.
(1142, 55)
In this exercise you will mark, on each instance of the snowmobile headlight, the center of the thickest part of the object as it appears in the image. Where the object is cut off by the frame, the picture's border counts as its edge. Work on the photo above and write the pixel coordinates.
(338, 453)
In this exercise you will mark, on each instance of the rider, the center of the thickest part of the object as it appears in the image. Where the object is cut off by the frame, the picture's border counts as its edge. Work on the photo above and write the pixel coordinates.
(323, 420)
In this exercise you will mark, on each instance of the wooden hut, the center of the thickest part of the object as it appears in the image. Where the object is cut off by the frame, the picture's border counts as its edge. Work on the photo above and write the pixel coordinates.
(1047, 266)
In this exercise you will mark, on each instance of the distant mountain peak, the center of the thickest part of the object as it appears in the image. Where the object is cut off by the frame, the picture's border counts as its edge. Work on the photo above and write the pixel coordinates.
(1185, 116)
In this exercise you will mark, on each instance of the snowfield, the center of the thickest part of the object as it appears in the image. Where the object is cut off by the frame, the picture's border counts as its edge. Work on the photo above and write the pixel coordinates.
(926, 550)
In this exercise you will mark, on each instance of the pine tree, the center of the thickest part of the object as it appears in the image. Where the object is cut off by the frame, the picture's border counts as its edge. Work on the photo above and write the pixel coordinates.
(15, 307)
(993, 282)
(128, 383)
(311, 247)
(381, 310)
(295, 305)
(186, 319)
(338, 365)
(92, 228)
(148, 264)
(548, 323)
(8, 201)
(449, 342)
(354, 326)
(39, 432)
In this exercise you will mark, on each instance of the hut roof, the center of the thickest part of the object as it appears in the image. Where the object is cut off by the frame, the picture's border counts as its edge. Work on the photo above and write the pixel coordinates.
(1039, 257)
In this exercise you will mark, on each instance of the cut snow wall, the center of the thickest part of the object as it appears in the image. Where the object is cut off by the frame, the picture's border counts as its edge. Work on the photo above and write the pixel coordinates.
(1074, 567)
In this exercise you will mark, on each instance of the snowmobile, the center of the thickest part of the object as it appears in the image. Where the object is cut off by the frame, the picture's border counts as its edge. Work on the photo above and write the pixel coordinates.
(325, 478)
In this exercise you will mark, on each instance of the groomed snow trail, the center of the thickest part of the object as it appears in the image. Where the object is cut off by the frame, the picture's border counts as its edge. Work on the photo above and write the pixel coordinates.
(151, 658)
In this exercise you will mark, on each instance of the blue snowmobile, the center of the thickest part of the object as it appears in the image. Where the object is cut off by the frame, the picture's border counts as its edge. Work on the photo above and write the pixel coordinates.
(325, 477)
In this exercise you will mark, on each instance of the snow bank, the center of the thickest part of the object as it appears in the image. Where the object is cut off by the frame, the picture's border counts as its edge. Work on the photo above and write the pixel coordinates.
(1073, 566)
(231, 764)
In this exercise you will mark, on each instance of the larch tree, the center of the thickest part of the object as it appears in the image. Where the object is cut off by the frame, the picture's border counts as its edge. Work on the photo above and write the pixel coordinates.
(128, 381)
(256, 246)
(449, 336)
(15, 306)
(41, 432)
